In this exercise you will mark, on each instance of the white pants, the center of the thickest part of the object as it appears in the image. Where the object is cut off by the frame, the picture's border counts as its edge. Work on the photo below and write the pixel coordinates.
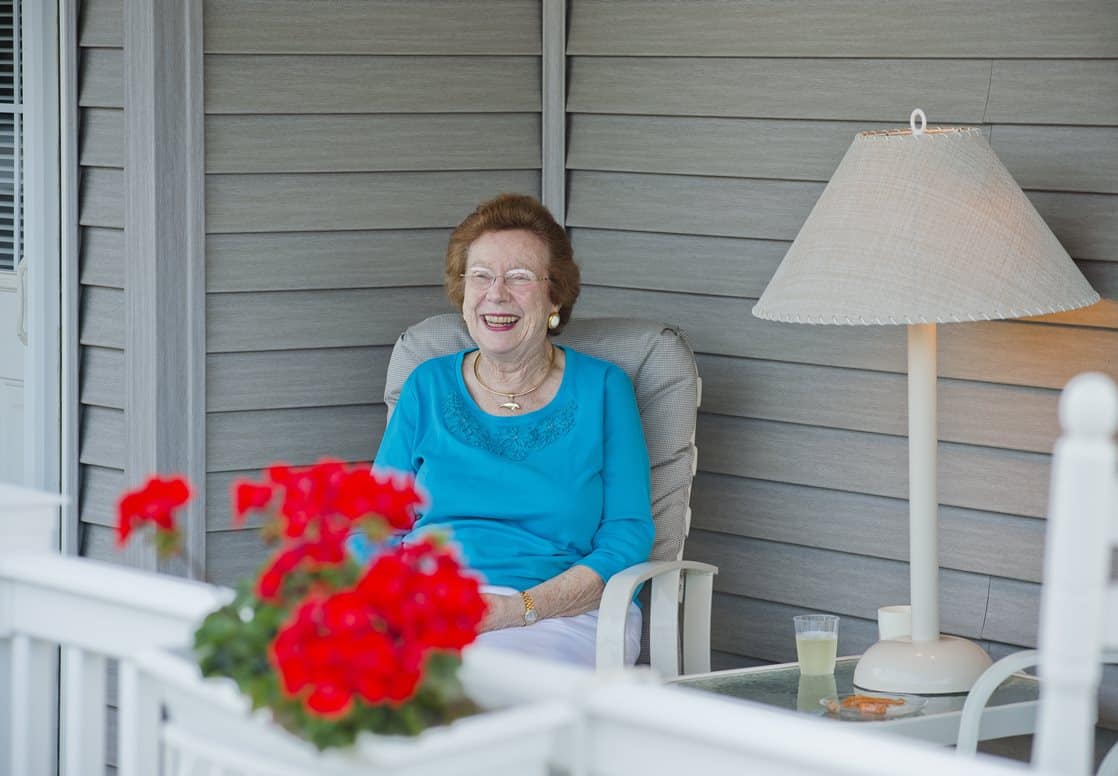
(566, 639)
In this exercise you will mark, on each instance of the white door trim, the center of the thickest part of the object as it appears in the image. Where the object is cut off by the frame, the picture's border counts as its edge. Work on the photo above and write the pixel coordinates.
(42, 363)
(69, 284)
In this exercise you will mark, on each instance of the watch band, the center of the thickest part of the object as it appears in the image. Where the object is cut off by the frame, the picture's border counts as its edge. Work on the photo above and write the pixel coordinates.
(530, 613)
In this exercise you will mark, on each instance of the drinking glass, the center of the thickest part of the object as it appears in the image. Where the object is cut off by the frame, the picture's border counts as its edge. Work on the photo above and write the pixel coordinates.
(816, 643)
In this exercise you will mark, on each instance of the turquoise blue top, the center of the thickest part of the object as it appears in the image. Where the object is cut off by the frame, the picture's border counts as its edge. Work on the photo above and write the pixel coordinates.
(530, 496)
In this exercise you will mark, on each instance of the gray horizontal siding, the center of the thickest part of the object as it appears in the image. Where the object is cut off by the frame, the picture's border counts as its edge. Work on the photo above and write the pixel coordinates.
(899, 28)
(102, 259)
(741, 267)
(102, 437)
(101, 23)
(102, 372)
(307, 260)
(723, 266)
(843, 521)
(763, 629)
(982, 478)
(1014, 611)
(725, 207)
(268, 380)
(1029, 354)
(234, 555)
(1070, 158)
(101, 78)
(949, 90)
(370, 84)
(102, 317)
(101, 197)
(1086, 224)
(1060, 158)
(100, 489)
(296, 378)
(258, 438)
(1074, 92)
(996, 415)
(102, 137)
(282, 203)
(838, 582)
(316, 319)
(373, 26)
(372, 143)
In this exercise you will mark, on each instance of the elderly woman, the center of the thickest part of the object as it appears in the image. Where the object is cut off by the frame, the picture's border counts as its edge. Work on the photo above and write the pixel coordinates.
(532, 453)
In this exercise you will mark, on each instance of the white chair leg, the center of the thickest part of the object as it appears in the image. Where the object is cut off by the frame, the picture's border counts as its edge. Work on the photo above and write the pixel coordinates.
(663, 631)
(698, 590)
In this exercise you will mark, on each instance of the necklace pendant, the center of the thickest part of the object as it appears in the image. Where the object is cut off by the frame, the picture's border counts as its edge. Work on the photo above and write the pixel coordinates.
(510, 405)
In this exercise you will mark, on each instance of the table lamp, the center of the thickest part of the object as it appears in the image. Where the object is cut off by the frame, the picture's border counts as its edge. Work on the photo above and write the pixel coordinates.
(921, 226)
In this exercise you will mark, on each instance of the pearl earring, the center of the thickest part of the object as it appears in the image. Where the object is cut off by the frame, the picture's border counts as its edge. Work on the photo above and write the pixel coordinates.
(553, 321)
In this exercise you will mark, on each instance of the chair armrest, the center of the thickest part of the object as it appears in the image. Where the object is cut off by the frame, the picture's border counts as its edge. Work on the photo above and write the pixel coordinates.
(663, 615)
(971, 720)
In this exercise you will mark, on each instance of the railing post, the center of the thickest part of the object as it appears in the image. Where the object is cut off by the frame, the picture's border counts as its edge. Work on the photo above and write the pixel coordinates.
(138, 718)
(28, 669)
(33, 713)
(1082, 500)
(83, 711)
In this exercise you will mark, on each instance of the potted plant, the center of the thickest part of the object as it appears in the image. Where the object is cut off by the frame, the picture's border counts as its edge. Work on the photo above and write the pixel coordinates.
(360, 659)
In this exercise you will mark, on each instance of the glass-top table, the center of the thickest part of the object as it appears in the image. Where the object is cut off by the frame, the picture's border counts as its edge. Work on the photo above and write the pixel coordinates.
(1011, 710)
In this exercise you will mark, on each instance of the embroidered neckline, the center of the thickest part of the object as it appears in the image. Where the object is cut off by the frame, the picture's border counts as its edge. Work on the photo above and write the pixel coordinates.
(514, 441)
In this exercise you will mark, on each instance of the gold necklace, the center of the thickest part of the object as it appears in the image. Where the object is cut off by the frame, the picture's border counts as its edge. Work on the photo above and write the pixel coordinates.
(512, 404)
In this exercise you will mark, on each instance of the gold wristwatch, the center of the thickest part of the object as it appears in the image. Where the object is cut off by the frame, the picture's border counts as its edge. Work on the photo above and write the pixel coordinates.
(530, 613)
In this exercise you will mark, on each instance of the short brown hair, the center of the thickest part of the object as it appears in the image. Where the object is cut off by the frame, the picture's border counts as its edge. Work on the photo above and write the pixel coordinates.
(507, 212)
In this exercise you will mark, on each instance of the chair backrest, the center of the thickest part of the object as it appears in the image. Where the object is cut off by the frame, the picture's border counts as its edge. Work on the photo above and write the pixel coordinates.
(662, 367)
(1079, 602)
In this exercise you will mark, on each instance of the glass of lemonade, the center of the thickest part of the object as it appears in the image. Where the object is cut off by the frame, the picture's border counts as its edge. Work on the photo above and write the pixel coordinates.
(816, 643)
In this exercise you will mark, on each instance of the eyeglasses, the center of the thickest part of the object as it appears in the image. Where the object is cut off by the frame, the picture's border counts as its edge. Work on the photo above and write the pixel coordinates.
(482, 279)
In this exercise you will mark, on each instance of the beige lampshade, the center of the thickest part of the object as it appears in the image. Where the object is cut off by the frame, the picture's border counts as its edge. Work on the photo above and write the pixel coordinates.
(922, 227)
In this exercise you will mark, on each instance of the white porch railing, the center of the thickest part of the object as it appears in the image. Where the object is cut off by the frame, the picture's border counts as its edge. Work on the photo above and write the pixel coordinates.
(171, 721)
(95, 612)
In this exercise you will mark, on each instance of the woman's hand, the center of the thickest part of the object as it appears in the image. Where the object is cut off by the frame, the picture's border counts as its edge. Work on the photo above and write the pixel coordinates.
(505, 611)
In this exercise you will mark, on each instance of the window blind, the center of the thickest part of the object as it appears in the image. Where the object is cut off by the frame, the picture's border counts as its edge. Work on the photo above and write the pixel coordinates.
(11, 138)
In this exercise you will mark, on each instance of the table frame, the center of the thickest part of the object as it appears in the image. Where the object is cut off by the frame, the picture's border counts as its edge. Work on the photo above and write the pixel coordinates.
(941, 727)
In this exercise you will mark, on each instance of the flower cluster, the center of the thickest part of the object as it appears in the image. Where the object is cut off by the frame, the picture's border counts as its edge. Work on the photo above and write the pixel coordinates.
(154, 504)
(333, 649)
(371, 642)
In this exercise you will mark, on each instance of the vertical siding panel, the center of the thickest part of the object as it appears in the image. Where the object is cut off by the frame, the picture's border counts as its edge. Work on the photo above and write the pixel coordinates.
(101, 248)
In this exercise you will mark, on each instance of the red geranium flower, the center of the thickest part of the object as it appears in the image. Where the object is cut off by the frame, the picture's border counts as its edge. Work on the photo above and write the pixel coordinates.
(154, 502)
(248, 496)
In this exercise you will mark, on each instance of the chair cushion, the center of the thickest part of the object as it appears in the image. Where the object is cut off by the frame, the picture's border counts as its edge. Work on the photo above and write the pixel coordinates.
(662, 367)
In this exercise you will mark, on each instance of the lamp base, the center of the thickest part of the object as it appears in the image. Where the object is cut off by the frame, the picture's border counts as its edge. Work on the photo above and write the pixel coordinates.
(947, 665)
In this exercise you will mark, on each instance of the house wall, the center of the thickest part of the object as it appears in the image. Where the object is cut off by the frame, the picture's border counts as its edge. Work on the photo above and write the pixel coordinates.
(701, 134)
(344, 139)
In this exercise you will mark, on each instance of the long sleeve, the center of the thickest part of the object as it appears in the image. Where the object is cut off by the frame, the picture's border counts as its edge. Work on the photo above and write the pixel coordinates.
(397, 449)
(625, 534)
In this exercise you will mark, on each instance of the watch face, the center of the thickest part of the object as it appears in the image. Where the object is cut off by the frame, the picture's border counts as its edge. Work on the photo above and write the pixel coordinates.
(530, 616)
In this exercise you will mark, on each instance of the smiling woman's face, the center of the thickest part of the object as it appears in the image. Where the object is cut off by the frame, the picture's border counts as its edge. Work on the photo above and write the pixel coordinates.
(508, 323)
